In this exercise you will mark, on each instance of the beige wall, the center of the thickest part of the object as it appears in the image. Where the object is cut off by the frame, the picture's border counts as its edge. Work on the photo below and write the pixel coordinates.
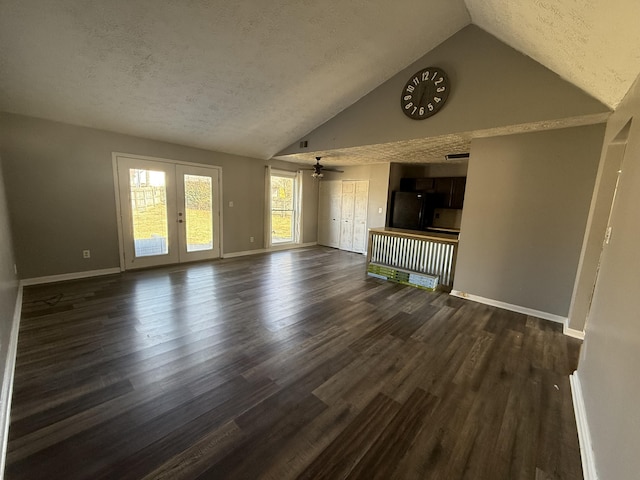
(493, 85)
(526, 205)
(611, 351)
(60, 191)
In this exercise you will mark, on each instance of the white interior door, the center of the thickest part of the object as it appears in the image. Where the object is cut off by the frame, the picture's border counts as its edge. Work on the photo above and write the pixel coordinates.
(346, 220)
(329, 211)
(360, 216)
(169, 213)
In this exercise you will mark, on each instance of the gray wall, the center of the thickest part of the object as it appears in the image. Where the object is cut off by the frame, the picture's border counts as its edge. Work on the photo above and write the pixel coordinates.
(493, 85)
(61, 195)
(611, 351)
(8, 280)
(595, 232)
(526, 205)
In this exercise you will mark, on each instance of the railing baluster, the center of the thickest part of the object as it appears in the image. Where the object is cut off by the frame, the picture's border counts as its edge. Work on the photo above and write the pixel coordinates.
(423, 255)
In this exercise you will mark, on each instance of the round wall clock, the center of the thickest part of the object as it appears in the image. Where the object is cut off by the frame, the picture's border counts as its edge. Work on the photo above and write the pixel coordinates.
(425, 93)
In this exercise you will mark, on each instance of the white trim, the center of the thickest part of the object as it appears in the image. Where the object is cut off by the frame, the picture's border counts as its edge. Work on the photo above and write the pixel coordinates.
(508, 306)
(7, 380)
(165, 160)
(288, 246)
(584, 434)
(571, 332)
(174, 163)
(69, 276)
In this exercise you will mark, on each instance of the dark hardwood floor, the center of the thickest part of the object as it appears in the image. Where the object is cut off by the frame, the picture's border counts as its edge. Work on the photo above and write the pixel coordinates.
(286, 365)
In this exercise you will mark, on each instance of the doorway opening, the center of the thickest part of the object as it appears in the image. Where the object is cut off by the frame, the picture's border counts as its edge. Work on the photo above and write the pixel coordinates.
(168, 212)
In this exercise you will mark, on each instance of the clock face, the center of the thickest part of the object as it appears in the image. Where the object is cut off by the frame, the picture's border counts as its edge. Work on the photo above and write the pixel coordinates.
(425, 93)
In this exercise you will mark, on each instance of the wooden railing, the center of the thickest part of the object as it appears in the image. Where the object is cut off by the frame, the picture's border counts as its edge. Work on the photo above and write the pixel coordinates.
(414, 252)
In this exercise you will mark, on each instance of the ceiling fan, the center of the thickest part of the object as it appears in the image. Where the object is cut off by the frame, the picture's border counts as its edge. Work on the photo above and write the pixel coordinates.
(318, 168)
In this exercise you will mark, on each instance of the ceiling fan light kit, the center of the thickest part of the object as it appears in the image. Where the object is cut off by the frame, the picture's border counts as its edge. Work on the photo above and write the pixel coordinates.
(317, 169)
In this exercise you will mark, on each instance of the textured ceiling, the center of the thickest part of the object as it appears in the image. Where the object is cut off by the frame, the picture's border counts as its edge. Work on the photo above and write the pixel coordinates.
(252, 77)
(594, 44)
(246, 77)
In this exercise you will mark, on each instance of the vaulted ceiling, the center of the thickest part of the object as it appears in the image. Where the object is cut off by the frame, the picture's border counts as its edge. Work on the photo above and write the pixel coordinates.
(252, 77)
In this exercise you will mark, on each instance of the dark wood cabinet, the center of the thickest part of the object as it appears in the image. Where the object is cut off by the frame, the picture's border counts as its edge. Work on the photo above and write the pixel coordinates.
(448, 191)
(425, 184)
(458, 186)
(443, 192)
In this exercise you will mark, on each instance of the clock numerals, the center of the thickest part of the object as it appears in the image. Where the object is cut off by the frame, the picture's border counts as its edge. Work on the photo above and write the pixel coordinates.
(425, 93)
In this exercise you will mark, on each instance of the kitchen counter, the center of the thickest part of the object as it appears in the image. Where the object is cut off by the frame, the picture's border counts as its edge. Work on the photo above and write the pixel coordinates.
(433, 235)
(413, 257)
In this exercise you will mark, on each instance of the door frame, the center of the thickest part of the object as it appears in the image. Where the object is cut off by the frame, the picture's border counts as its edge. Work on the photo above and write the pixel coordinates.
(114, 166)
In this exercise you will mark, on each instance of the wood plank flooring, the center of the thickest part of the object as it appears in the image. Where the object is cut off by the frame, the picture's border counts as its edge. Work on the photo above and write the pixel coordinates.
(293, 364)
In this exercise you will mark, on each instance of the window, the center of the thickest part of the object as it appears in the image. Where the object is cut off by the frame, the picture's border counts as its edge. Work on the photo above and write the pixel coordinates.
(284, 207)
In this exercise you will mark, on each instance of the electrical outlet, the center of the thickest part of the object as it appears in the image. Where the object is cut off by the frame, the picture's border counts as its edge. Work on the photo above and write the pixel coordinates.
(251, 239)
(86, 253)
(231, 203)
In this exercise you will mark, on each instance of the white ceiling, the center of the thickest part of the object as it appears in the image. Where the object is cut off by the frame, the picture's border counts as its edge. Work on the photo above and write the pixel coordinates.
(251, 77)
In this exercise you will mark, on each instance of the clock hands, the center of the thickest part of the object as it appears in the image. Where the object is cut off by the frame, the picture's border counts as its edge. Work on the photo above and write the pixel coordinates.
(433, 85)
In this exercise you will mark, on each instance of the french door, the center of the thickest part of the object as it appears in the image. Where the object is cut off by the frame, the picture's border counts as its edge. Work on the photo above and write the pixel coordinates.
(168, 213)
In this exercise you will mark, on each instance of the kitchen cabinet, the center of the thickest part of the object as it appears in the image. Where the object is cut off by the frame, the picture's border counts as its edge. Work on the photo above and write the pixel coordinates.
(458, 185)
(449, 191)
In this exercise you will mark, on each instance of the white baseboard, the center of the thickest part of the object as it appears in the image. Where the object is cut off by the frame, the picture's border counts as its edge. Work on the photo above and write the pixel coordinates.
(584, 435)
(69, 276)
(508, 306)
(570, 332)
(7, 380)
(276, 248)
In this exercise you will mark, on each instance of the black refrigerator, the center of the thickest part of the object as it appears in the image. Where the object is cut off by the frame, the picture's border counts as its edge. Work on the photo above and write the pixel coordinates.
(412, 210)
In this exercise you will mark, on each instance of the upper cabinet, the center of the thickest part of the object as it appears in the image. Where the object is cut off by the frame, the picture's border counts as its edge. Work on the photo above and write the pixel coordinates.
(456, 199)
(449, 191)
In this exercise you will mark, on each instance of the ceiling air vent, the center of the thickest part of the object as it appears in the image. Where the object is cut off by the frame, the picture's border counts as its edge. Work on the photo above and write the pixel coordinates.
(456, 156)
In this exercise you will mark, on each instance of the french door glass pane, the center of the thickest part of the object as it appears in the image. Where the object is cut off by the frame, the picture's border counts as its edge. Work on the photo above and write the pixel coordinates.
(198, 192)
(149, 212)
(282, 204)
